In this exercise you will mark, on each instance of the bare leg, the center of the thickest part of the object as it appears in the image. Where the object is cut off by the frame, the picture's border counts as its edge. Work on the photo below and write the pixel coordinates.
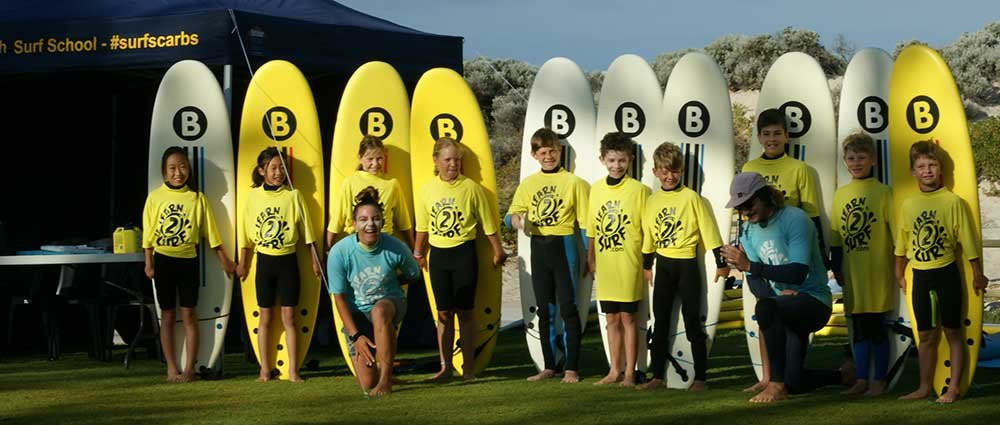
(446, 343)
(291, 343)
(167, 319)
(263, 338)
(190, 318)
(385, 339)
(927, 355)
(765, 365)
(631, 349)
(467, 328)
(367, 375)
(614, 327)
(955, 345)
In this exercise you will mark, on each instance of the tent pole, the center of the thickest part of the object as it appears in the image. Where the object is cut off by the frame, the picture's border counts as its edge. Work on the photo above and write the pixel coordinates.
(114, 162)
(227, 87)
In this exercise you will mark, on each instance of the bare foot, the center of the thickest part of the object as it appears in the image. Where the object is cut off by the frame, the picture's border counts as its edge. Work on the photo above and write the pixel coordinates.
(383, 388)
(628, 381)
(264, 375)
(571, 377)
(186, 377)
(610, 378)
(876, 389)
(919, 394)
(948, 397)
(468, 376)
(698, 386)
(443, 375)
(174, 377)
(859, 387)
(848, 373)
(652, 384)
(774, 392)
(756, 388)
(545, 374)
(294, 377)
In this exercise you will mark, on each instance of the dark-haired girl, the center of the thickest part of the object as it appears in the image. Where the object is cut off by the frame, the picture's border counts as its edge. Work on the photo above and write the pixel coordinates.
(175, 218)
(365, 271)
(275, 219)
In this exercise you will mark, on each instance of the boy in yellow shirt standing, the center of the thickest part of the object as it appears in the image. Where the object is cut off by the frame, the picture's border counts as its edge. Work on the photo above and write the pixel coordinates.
(932, 226)
(675, 221)
(861, 248)
(549, 206)
(614, 233)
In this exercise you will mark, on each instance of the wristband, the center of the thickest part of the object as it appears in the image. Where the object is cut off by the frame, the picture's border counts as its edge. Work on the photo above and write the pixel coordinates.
(354, 338)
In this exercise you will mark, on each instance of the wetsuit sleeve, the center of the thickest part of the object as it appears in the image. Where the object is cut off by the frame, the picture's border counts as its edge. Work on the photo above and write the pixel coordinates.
(792, 273)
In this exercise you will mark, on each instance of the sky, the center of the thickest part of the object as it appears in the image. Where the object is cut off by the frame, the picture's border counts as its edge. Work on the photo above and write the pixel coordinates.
(593, 32)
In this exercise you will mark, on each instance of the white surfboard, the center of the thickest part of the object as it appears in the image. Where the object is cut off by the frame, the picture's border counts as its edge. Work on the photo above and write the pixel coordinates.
(697, 116)
(561, 100)
(190, 112)
(796, 85)
(630, 103)
(864, 99)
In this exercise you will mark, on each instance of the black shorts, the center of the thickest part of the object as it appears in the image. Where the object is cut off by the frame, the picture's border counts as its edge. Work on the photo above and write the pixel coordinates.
(277, 275)
(937, 293)
(611, 307)
(176, 279)
(454, 272)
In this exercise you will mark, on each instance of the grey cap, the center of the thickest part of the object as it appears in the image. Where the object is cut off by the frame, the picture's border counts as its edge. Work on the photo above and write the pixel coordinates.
(743, 187)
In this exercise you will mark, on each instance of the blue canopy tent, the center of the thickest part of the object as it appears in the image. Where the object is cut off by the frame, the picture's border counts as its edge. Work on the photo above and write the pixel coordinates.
(78, 80)
(93, 67)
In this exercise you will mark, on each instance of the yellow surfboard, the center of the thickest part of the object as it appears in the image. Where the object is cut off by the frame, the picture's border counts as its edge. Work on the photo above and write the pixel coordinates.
(924, 104)
(374, 102)
(443, 105)
(279, 111)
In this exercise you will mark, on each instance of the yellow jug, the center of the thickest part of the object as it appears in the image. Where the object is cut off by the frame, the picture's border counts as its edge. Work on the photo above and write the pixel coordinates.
(126, 240)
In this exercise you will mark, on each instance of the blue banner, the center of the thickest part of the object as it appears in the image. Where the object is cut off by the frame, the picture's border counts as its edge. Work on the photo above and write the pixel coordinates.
(114, 43)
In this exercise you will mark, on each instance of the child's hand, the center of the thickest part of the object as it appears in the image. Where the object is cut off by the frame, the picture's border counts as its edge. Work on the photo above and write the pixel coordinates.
(229, 267)
(149, 271)
(902, 283)
(790, 292)
(241, 271)
(499, 258)
(979, 283)
(647, 275)
(421, 261)
(591, 265)
(317, 268)
(721, 273)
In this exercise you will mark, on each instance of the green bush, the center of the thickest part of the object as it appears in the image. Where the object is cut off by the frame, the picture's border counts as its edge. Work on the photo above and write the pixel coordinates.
(985, 135)
(742, 132)
(974, 60)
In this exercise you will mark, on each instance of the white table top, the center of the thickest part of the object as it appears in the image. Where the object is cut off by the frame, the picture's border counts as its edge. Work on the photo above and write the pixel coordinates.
(56, 259)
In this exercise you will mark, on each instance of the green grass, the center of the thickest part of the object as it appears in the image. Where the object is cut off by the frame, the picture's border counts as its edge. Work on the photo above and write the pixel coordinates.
(82, 391)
